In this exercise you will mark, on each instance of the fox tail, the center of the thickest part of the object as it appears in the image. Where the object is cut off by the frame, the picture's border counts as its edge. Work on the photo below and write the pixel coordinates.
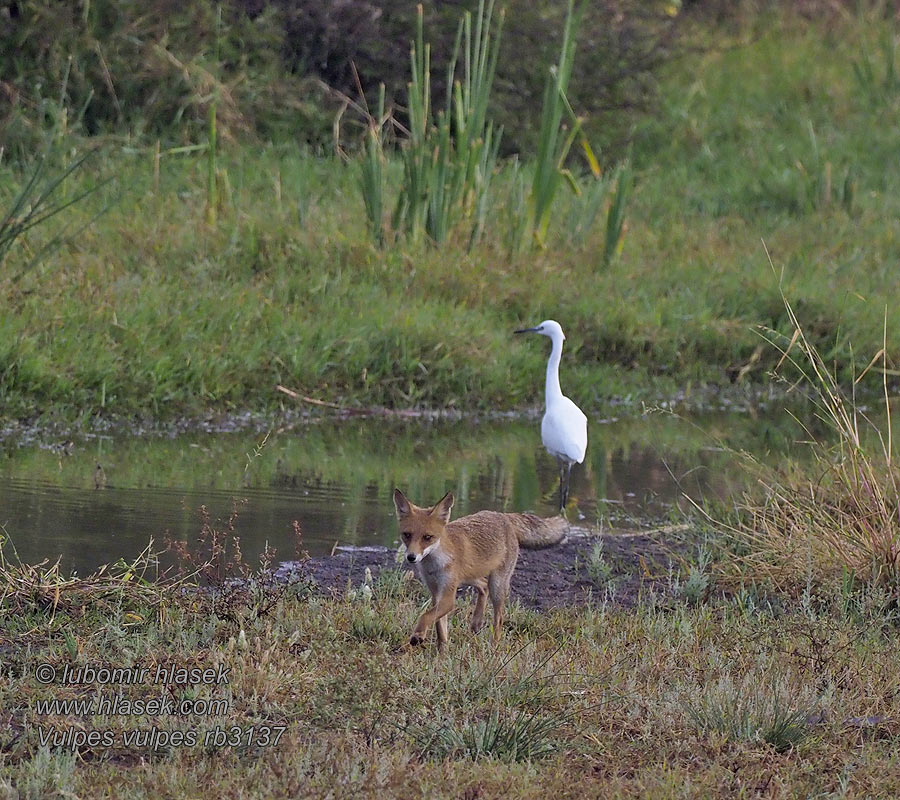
(538, 532)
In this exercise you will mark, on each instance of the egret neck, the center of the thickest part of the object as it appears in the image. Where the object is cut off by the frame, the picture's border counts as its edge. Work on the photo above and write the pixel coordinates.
(553, 391)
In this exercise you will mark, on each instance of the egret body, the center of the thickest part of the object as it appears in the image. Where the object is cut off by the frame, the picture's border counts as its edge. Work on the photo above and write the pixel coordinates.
(564, 426)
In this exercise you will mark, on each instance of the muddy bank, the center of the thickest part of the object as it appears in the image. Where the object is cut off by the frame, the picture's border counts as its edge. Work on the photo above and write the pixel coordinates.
(54, 430)
(635, 564)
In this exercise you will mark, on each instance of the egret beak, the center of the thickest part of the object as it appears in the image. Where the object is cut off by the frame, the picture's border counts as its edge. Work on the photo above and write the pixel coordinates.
(526, 330)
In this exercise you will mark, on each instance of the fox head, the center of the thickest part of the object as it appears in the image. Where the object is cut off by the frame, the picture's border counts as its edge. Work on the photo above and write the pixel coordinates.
(421, 528)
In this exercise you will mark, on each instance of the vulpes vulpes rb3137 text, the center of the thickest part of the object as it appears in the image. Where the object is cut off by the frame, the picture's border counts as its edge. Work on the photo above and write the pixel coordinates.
(479, 550)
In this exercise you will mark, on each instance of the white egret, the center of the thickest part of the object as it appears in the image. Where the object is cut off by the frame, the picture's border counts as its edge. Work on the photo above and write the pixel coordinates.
(564, 426)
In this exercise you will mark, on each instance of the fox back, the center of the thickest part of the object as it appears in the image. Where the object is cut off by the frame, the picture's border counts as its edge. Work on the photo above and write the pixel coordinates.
(529, 530)
(485, 538)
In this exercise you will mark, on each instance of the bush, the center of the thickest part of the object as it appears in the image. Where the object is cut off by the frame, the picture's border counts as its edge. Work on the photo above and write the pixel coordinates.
(141, 68)
(621, 45)
(146, 69)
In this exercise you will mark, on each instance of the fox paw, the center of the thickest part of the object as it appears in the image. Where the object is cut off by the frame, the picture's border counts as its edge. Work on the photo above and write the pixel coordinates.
(416, 639)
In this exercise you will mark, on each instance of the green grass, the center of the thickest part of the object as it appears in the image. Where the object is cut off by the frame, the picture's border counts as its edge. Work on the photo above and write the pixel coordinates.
(151, 311)
(758, 710)
(704, 700)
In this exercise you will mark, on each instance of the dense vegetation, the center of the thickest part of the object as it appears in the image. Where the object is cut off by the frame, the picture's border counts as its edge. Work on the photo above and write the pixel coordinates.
(197, 276)
(282, 70)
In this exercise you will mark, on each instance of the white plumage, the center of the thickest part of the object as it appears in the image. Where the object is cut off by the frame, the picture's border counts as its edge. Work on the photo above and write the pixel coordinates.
(564, 430)
(564, 426)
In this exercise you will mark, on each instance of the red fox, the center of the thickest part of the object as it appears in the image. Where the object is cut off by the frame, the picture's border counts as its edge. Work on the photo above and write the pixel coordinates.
(479, 550)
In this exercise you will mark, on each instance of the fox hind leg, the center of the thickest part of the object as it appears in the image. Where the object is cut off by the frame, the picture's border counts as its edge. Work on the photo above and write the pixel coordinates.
(480, 602)
(498, 583)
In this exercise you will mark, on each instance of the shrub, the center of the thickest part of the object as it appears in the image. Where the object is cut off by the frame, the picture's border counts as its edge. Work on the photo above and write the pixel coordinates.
(148, 67)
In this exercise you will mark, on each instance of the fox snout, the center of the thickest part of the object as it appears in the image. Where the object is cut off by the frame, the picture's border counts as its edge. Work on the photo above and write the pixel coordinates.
(415, 558)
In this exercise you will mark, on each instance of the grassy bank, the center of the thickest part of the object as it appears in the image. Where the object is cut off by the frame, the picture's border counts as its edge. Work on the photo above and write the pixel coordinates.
(733, 697)
(150, 310)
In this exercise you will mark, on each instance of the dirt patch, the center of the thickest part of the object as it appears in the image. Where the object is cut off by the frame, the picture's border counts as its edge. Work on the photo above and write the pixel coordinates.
(636, 563)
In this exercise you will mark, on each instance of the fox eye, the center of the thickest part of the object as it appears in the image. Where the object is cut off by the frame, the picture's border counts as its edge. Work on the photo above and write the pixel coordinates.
(427, 538)
(406, 535)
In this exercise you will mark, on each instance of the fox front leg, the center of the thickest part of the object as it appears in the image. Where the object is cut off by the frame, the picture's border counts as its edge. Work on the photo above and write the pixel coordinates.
(441, 604)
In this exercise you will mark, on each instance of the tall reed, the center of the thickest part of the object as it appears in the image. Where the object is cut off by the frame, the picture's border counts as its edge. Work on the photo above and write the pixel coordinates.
(553, 144)
(38, 200)
(372, 171)
(586, 207)
(615, 215)
(449, 157)
(879, 81)
(212, 195)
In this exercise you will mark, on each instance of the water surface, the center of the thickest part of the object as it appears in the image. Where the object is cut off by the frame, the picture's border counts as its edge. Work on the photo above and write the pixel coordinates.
(335, 478)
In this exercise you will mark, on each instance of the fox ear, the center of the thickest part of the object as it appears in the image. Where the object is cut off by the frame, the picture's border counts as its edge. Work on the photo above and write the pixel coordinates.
(401, 504)
(442, 509)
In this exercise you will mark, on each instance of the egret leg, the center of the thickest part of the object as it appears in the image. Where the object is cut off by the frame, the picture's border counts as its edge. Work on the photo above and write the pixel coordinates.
(564, 485)
(562, 471)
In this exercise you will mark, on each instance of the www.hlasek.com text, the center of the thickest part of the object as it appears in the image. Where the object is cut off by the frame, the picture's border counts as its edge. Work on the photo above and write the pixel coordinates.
(110, 705)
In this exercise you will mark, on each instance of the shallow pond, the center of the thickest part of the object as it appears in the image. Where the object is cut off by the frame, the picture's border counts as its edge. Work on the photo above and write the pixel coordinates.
(335, 479)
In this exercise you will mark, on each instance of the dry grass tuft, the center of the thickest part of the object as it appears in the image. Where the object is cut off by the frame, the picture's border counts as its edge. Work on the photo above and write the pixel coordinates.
(837, 517)
(25, 588)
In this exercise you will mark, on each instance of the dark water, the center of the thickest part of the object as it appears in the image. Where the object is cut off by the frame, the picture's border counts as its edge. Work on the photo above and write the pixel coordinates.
(335, 479)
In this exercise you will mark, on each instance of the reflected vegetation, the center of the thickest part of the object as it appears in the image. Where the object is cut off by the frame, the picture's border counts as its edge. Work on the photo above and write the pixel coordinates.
(336, 477)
